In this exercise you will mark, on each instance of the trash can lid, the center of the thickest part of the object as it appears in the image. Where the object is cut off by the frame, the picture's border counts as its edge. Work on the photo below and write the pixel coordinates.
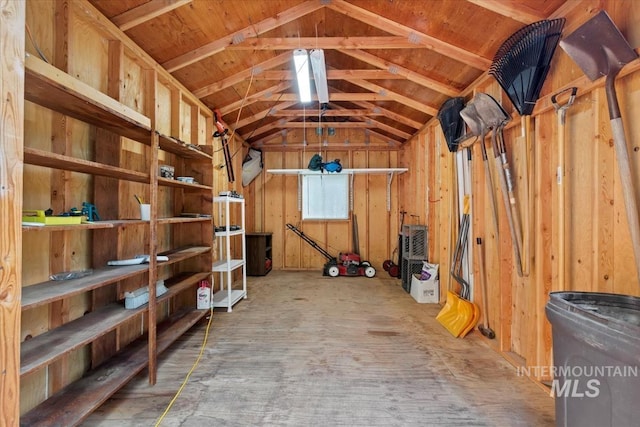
(603, 307)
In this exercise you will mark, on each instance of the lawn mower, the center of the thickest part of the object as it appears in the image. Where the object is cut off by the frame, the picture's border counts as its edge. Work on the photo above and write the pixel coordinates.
(346, 264)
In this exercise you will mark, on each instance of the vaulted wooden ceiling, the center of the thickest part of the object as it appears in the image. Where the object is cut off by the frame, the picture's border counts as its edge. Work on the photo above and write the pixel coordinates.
(391, 63)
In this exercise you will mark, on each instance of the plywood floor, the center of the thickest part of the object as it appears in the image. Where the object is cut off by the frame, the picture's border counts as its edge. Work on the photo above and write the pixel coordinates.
(307, 350)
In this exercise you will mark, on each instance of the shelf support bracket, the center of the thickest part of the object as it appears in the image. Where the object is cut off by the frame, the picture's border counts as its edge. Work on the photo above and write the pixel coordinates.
(389, 180)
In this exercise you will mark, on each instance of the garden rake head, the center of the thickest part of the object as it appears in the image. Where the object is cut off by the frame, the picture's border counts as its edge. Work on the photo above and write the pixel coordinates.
(522, 62)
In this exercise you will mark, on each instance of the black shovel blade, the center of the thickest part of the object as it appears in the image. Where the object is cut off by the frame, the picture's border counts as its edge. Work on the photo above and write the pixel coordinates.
(598, 47)
(451, 122)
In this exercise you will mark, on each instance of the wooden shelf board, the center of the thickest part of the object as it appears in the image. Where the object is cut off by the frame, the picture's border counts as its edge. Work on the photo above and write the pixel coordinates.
(86, 225)
(52, 88)
(88, 393)
(181, 148)
(181, 254)
(167, 182)
(50, 346)
(182, 219)
(47, 159)
(112, 224)
(53, 290)
(181, 282)
(83, 226)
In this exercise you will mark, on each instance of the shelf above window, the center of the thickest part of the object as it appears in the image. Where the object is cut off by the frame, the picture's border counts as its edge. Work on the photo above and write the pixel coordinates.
(344, 171)
(301, 173)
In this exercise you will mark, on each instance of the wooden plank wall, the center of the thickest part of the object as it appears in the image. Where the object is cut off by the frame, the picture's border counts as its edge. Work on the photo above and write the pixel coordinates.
(599, 255)
(272, 202)
(12, 16)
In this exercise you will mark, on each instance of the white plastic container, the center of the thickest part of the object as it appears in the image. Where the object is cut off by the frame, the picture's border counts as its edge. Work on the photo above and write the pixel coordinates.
(425, 291)
(145, 211)
(204, 295)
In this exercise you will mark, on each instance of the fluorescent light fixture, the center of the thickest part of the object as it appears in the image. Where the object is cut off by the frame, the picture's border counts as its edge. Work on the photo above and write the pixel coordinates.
(320, 75)
(301, 62)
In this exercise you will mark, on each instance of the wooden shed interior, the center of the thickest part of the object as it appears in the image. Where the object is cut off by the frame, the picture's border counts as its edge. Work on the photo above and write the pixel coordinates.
(115, 89)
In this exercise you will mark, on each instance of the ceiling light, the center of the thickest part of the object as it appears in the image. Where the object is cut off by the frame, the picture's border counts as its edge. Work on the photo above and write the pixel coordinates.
(320, 75)
(301, 62)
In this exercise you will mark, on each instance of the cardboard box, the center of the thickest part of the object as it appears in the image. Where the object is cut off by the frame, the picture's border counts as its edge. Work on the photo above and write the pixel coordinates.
(425, 291)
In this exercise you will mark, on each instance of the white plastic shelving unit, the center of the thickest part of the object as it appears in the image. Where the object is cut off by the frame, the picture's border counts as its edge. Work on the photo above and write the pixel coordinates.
(227, 296)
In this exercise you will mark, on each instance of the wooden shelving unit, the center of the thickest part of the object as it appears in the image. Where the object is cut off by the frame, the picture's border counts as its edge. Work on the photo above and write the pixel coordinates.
(187, 241)
(88, 393)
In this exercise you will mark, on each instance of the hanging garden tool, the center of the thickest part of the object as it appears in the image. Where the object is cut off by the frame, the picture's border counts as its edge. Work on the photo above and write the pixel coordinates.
(222, 132)
(600, 49)
(484, 328)
(479, 128)
(561, 110)
(451, 122)
(464, 270)
(458, 312)
(520, 66)
(494, 116)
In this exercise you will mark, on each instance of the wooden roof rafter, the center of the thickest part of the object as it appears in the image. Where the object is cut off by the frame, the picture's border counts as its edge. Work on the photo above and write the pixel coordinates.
(394, 96)
(261, 115)
(367, 124)
(328, 113)
(513, 10)
(332, 75)
(243, 75)
(146, 12)
(272, 93)
(391, 115)
(403, 72)
(269, 96)
(414, 37)
(371, 133)
(261, 27)
(339, 43)
(421, 39)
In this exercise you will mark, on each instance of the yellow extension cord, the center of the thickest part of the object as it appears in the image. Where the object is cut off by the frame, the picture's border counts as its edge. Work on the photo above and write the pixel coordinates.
(193, 368)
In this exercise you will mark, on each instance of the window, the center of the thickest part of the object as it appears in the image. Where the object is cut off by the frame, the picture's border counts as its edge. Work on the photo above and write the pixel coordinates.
(325, 196)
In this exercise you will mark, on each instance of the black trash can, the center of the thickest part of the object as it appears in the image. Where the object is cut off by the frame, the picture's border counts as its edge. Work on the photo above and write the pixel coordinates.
(596, 352)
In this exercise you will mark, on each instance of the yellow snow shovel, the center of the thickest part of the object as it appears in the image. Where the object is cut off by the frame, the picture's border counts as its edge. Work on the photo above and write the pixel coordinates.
(458, 313)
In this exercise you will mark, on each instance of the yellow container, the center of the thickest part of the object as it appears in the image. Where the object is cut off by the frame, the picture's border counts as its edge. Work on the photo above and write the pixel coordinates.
(39, 216)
